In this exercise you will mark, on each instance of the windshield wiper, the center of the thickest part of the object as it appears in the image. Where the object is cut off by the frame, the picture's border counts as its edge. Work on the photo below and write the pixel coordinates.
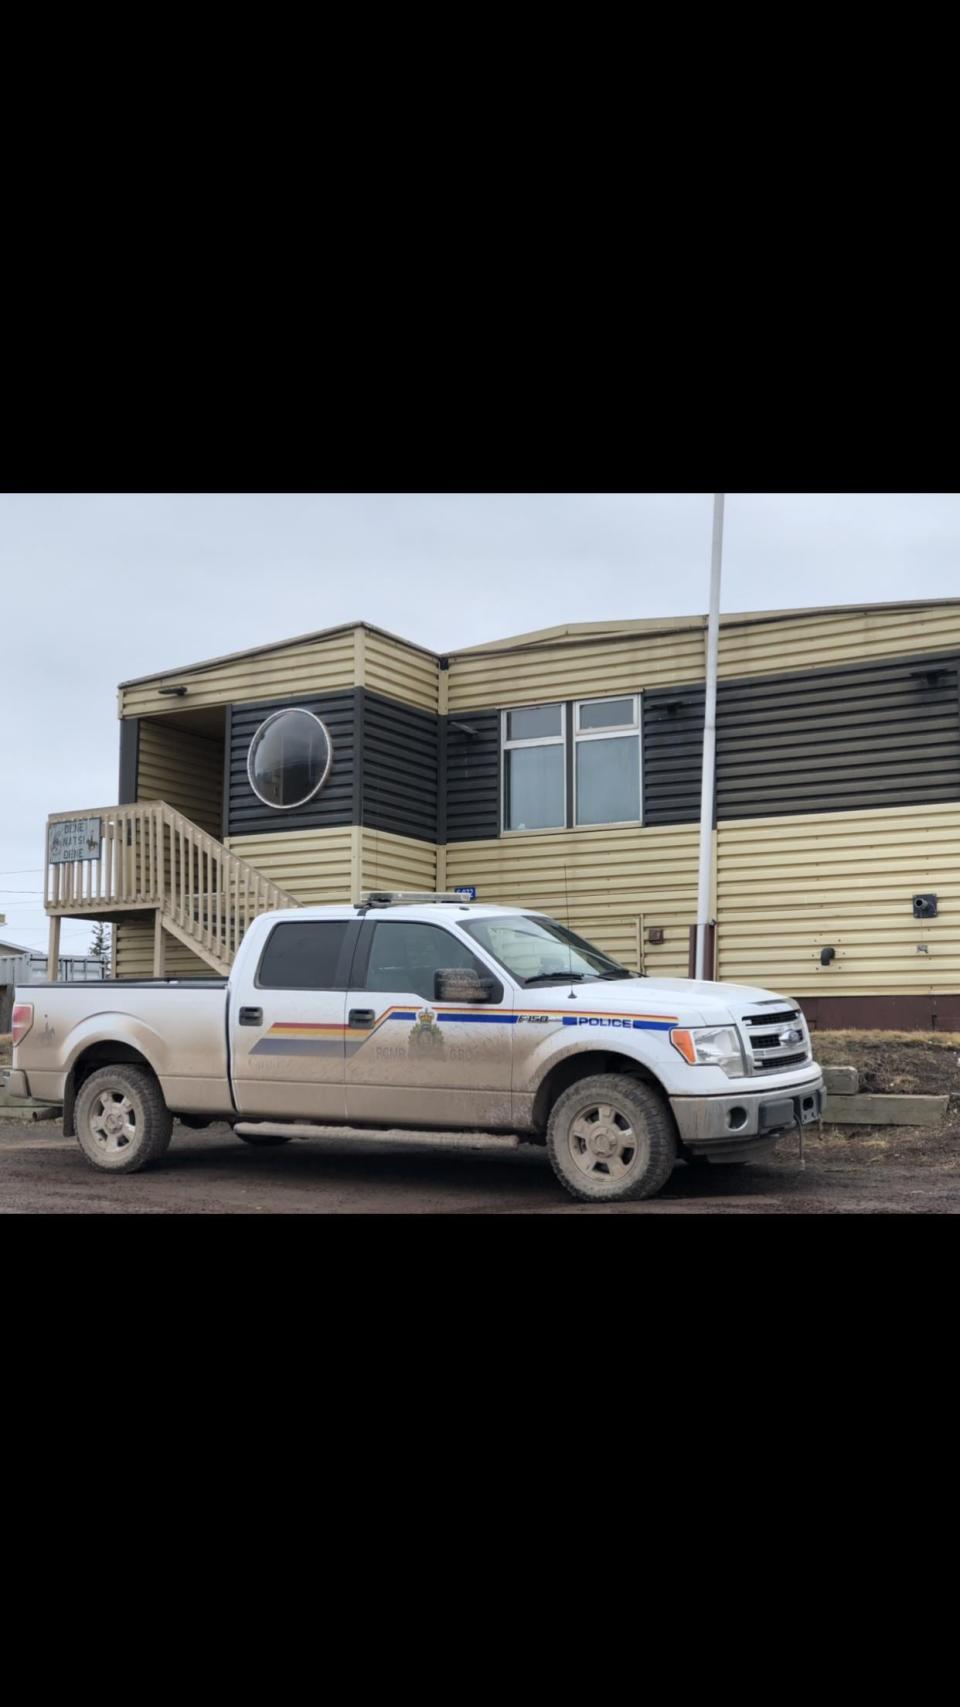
(553, 977)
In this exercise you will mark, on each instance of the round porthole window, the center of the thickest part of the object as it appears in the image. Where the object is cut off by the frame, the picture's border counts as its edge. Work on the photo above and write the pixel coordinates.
(289, 758)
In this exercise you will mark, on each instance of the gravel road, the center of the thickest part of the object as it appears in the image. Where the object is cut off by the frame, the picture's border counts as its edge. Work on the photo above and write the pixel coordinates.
(212, 1172)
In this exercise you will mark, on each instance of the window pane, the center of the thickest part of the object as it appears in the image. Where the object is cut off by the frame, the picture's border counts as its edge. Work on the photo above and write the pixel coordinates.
(532, 723)
(405, 958)
(608, 780)
(289, 756)
(607, 713)
(534, 799)
(303, 957)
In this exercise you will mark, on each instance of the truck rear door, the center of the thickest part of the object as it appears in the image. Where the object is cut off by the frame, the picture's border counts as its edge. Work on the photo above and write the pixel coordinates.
(287, 1022)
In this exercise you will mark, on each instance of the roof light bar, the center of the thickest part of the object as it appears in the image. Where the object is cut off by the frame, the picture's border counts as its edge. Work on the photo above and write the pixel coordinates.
(411, 898)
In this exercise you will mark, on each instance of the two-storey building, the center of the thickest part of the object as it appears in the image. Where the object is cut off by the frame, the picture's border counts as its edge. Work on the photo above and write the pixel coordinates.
(559, 769)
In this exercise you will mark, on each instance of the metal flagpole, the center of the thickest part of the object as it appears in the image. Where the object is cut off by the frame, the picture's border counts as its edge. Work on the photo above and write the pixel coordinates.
(709, 740)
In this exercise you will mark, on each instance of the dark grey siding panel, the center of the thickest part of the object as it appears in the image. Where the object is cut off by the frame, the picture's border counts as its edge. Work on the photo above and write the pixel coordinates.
(834, 740)
(861, 735)
(247, 816)
(400, 765)
(473, 776)
(672, 754)
(129, 758)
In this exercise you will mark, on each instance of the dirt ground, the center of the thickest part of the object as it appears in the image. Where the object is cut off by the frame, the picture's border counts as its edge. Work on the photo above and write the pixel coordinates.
(921, 1062)
(213, 1173)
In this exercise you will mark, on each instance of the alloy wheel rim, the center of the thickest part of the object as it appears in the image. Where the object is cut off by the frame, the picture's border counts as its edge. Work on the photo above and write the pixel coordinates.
(602, 1142)
(113, 1122)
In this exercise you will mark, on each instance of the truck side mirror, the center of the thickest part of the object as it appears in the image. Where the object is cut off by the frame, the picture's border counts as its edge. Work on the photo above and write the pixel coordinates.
(462, 984)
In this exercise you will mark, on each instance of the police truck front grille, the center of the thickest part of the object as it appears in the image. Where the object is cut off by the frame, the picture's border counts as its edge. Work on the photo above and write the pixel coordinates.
(770, 1052)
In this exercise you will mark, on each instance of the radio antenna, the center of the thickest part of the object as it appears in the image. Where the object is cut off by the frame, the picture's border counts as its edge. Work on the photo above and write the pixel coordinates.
(566, 896)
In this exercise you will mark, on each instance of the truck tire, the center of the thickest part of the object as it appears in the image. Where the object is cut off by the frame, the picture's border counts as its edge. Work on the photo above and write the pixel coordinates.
(122, 1121)
(611, 1138)
(261, 1140)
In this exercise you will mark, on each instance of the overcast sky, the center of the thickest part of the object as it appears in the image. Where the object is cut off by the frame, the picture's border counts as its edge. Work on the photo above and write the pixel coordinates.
(96, 589)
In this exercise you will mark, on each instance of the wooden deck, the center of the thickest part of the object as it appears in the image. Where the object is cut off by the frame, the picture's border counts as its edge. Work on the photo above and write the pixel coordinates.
(109, 861)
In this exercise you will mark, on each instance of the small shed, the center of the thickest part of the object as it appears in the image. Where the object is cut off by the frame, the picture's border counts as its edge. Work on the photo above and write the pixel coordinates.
(19, 965)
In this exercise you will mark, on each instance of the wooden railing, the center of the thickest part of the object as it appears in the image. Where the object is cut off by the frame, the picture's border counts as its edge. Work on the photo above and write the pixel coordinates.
(148, 856)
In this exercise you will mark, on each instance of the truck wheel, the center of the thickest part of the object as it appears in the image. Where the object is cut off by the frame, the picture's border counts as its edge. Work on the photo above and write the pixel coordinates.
(263, 1141)
(611, 1137)
(121, 1119)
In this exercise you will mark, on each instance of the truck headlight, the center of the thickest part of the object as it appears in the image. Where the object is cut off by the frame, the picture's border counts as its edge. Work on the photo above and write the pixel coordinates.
(711, 1046)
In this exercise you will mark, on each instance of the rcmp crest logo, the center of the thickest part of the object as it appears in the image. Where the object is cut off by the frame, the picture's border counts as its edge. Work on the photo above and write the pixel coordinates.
(426, 1034)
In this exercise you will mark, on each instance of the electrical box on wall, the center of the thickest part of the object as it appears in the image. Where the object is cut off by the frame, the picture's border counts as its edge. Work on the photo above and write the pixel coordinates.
(924, 906)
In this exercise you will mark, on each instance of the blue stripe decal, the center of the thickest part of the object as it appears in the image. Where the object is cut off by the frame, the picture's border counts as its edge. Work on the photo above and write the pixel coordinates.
(622, 1024)
(479, 1019)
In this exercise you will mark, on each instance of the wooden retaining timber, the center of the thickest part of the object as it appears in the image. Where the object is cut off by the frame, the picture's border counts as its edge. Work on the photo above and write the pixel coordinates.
(841, 1081)
(847, 1105)
(151, 858)
(875, 1109)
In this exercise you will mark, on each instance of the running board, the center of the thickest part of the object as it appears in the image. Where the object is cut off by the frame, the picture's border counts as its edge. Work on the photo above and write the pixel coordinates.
(453, 1141)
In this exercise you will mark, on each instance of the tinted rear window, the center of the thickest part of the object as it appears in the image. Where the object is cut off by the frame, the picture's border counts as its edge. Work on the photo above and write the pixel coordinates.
(303, 957)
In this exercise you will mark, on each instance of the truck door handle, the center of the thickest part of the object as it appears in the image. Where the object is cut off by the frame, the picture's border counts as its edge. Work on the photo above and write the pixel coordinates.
(251, 1016)
(361, 1016)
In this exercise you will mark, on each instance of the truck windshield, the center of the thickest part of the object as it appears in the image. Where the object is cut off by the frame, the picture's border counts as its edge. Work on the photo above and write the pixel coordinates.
(534, 950)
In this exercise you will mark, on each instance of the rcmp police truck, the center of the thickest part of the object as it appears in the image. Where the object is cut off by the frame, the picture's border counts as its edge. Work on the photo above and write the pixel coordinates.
(427, 1013)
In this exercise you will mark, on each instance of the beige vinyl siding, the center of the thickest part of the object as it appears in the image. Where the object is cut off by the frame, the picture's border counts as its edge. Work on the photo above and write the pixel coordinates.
(184, 770)
(401, 672)
(571, 663)
(788, 887)
(600, 881)
(134, 953)
(315, 666)
(396, 862)
(822, 638)
(565, 669)
(311, 865)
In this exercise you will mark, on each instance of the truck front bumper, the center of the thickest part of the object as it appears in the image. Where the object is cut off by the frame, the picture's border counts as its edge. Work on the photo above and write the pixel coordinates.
(730, 1127)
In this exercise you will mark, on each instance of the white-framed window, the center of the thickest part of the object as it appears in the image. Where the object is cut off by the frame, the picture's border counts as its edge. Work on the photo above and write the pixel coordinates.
(534, 767)
(594, 742)
(607, 786)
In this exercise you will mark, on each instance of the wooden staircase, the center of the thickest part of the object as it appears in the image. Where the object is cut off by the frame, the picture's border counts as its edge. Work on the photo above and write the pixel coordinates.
(117, 860)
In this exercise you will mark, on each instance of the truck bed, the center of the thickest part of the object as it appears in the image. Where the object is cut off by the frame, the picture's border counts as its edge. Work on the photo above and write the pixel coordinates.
(184, 1041)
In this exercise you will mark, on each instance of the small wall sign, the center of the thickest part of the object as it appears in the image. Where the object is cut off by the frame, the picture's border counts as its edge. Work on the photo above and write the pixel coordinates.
(73, 839)
(467, 890)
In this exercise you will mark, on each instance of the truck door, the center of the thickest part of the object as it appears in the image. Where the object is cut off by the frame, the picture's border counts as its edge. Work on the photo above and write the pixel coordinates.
(287, 1022)
(410, 1058)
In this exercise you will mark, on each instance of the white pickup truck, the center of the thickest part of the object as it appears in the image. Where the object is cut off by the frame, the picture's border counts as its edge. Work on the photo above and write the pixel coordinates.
(426, 1012)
